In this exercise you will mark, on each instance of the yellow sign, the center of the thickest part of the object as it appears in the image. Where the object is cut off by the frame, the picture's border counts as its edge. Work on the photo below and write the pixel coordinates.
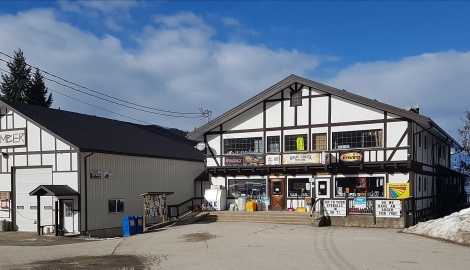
(398, 190)
(300, 143)
(351, 157)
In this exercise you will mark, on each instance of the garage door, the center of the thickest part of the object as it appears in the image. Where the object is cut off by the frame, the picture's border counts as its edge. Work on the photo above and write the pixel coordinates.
(26, 209)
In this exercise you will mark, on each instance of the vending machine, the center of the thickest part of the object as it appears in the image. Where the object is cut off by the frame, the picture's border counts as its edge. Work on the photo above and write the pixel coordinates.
(216, 199)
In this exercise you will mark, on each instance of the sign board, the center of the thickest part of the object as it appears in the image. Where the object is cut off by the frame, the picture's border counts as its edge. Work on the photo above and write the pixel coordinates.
(351, 157)
(334, 208)
(388, 208)
(273, 159)
(244, 160)
(13, 138)
(95, 174)
(301, 158)
(398, 190)
(360, 202)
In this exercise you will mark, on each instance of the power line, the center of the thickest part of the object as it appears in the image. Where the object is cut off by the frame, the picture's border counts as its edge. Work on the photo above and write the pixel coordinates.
(91, 90)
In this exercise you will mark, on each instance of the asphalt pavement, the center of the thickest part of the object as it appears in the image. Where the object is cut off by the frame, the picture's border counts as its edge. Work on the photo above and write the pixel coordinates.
(237, 245)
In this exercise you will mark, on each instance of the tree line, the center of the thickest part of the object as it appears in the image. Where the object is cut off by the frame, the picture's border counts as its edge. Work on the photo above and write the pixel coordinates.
(21, 85)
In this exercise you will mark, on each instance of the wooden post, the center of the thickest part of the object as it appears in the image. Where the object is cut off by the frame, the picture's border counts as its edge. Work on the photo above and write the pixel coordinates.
(56, 227)
(144, 217)
(38, 212)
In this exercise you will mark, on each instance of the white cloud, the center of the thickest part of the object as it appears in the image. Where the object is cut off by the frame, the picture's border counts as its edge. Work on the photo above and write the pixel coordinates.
(229, 21)
(436, 81)
(178, 66)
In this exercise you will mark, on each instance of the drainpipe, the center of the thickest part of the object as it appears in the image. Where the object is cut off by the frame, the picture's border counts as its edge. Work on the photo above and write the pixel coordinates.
(86, 194)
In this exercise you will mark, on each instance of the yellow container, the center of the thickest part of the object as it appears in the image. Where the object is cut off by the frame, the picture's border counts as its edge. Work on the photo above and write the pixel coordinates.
(251, 206)
(301, 209)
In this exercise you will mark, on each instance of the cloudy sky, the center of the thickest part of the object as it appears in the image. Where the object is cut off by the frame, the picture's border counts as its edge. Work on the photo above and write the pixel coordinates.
(180, 56)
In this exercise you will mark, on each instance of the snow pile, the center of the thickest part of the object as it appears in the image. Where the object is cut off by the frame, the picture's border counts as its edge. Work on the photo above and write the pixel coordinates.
(454, 227)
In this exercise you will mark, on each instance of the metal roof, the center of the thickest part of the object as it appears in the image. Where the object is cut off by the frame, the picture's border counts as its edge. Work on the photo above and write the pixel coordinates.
(421, 120)
(54, 190)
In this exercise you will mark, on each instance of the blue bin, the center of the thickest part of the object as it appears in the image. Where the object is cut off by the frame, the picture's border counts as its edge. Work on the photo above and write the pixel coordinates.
(128, 226)
(139, 224)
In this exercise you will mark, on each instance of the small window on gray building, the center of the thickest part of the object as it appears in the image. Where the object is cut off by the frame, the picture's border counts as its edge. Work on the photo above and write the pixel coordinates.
(116, 205)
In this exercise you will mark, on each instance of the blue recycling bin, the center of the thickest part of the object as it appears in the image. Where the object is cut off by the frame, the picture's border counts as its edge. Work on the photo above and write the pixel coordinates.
(139, 224)
(128, 226)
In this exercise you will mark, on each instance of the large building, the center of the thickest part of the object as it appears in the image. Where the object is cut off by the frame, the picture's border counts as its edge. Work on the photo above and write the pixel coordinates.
(95, 168)
(301, 139)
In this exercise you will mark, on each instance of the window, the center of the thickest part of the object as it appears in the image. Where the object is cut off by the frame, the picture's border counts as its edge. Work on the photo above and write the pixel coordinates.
(296, 98)
(295, 186)
(246, 187)
(243, 145)
(47, 207)
(20, 207)
(116, 205)
(295, 142)
(359, 186)
(319, 141)
(33, 207)
(274, 143)
(357, 139)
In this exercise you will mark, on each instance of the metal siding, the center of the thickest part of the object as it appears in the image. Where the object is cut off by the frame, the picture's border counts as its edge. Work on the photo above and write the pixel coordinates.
(132, 177)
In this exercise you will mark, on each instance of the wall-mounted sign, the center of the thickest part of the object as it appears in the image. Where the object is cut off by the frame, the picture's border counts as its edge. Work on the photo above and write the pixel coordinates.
(398, 190)
(10, 138)
(301, 158)
(334, 208)
(352, 157)
(273, 159)
(244, 160)
(108, 175)
(95, 174)
(388, 208)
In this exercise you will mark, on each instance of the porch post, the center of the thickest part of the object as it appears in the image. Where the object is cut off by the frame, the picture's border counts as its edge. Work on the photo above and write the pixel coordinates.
(38, 213)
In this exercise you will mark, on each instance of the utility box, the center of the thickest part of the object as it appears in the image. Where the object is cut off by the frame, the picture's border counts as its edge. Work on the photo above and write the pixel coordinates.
(139, 224)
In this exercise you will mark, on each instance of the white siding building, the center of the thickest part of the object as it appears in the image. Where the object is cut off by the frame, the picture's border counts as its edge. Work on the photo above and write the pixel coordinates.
(301, 139)
(106, 163)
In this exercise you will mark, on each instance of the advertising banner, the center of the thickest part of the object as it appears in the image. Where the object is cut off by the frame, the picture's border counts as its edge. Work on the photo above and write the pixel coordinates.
(273, 159)
(352, 157)
(398, 190)
(301, 158)
(388, 208)
(244, 160)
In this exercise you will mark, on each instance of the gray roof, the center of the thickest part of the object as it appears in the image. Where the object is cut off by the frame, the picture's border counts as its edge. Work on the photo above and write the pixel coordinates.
(54, 190)
(97, 134)
(422, 120)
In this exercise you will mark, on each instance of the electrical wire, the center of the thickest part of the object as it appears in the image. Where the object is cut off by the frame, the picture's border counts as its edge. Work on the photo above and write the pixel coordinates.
(108, 96)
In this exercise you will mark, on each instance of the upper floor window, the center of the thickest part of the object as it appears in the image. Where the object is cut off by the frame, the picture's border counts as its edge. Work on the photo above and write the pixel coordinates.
(296, 98)
(273, 144)
(243, 145)
(295, 142)
(319, 141)
(357, 139)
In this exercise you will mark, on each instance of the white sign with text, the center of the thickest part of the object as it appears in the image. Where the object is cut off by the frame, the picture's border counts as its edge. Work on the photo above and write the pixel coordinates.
(334, 208)
(388, 208)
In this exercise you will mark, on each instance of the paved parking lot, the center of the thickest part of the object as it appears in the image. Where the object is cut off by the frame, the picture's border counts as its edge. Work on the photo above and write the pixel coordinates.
(247, 246)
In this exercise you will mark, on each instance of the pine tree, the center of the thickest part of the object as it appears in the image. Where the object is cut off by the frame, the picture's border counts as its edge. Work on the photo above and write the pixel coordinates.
(37, 92)
(18, 85)
(15, 84)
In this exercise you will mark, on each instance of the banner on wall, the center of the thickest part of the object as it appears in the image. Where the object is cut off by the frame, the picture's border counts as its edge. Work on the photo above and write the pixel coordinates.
(352, 157)
(244, 160)
(301, 158)
(398, 190)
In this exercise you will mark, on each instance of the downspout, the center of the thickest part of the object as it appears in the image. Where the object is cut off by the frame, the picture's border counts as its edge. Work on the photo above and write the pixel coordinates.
(86, 195)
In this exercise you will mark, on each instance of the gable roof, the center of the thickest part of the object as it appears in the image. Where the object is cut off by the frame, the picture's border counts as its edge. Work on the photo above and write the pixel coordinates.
(422, 120)
(54, 190)
(96, 134)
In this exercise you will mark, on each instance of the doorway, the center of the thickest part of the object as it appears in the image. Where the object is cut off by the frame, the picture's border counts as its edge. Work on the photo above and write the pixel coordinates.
(276, 194)
(68, 215)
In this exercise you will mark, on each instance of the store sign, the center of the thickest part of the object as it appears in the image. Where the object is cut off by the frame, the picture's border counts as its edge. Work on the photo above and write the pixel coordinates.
(334, 208)
(273, 159)
(351, 157)
(95, 174)
(301, 158)
(10, 138)
(388, 208)
(244, 160)
(398, 190)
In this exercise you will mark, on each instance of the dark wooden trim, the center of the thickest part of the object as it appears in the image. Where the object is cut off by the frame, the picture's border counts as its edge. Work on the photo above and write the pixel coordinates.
(265, 142)
(310, 145)
(281, 147)
(329, 123)
(303, 97)
(385, 131)
(221, 143)
(398, 144)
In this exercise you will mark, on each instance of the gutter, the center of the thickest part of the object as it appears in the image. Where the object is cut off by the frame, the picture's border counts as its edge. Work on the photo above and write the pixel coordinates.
(86, 194)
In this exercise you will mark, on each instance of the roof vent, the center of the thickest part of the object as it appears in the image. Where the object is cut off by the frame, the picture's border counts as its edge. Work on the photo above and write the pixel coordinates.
(414, 109)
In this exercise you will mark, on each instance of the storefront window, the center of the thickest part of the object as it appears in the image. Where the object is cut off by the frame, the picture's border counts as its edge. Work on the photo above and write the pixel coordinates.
(359, 186)
(246, 187)
(295, 142)
(299, 187)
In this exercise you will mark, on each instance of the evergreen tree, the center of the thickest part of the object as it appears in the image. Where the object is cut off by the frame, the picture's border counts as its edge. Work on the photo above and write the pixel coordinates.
(37, 92)
(15, 84)
(18, 85)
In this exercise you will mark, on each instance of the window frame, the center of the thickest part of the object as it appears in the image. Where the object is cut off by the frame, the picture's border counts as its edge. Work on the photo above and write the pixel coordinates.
(286, 142)
(268, 143)
(298, 194)
(314, 141)
(354, 139)
(380, 186)
(255, 143)
(296, 99)
(246, 181)
(116, 205)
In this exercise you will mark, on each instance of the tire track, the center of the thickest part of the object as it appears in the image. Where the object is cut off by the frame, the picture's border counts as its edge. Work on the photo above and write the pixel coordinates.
(340, 261)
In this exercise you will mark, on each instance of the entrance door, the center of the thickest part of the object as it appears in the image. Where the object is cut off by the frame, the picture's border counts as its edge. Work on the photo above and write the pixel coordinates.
(68, 215)
(276, 193)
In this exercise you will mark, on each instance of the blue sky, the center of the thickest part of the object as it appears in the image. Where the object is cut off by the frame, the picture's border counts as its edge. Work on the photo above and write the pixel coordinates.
(184, 55)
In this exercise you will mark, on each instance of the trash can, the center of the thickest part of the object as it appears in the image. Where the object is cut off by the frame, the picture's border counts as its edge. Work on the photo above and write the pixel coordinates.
(309, 207)
(128, 226)
(139, 224)
(242, 204)
(61, 232)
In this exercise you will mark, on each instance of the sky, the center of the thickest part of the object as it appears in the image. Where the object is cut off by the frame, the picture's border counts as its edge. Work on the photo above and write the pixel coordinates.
(184, 56)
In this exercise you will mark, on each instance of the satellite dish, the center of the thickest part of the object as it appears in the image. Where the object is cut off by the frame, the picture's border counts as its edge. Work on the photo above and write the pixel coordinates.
(416, 106)
(200, 146)
(407, 108)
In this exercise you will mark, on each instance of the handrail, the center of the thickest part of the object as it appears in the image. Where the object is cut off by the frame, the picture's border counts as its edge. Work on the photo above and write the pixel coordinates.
(182, 208)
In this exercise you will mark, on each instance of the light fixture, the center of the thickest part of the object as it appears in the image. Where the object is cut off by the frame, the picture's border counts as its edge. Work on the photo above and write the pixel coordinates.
(5, 155)
(200, 146)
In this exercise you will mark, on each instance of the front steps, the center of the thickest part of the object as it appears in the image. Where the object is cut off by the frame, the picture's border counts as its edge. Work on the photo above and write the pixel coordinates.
(279, 217)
